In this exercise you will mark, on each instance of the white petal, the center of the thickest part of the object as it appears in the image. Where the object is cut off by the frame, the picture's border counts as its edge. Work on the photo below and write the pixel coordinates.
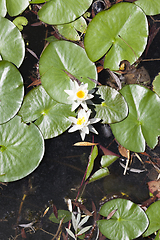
(70, 233)
(73, 120)
(74, 128)
(94, 120)
(92, 129)
(82, 135)
(75, 105)
(84, 105)
(69, 92)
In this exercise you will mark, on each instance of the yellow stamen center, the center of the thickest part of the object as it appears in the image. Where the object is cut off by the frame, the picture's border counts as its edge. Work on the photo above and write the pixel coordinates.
(80, 121)
(81, 94)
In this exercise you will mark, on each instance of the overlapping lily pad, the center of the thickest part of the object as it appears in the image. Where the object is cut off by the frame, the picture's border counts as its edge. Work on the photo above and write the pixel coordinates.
(113, 107)
(150, 7)
(128, 222)
(21, 149)
(15, 7)
(61, 11)
(153, 213)
(156, 84)
(12, 46)
(50, 116)
(3, 8)
(70, 30)
(120, 32)
(61, 56)
(142, 123)
(11, 91)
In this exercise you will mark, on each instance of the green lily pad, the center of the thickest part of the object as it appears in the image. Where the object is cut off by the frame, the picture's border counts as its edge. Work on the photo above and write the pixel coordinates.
(21, 149)
(69, 30)
(3, 8)
(11, 50)
(16, 7)
(57, 12)
(38, 1)
(157, 236)
(128, 222)
(150, 7)
(20, 22)
(114, 107)
(153, 213)
(156, 84)
(92, 157)
(142, 123)
(50, 116)
(59, 56)
(11, 91)
(120, 32)
(61, 214)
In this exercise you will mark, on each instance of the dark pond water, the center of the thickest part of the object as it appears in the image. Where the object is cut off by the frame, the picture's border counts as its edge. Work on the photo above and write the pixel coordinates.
(62, 168)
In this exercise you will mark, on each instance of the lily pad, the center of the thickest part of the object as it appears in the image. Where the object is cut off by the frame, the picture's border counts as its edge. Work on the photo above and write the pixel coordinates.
(11, 91)
(11, 50)
(63, 56)
(150, 7)
(120, 32)
(107, 160)
(153, 213)
(69, 30)
(50, 116)
(61, 11)
(16, 7)
(21, 149)
(114, 107)
(38, 1)
(156, 84)
(3, 8)
(142, 123)
(128, 222)
(20, 22)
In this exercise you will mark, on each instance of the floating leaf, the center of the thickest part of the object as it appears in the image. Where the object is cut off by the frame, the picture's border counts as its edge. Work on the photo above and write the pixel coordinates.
(156, 84)
(153, 213)
(15, 7)
(57, 12)
(50, 116)
(121, 32)
(12, 46)
(150, 7)
(11, 91)
(69, 30)
(128, 222)
(38, 1)
(61, 214)
(157, 236)
(3, 8)
(20, 22)
(21, 149)
(103, 172)
(92, 157)
(142, 123)
(107, 160)
(61, 56)
(114, 107)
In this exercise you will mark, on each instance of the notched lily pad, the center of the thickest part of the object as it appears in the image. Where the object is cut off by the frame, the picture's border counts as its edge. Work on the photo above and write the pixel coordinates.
(21, 149)
(61, 214)
(142, 123)
(70, 30)
(20, 22)
(129, 221)
(11, 91)
(15, 7)
(50, 116)
(120, 32)
(156, 84)
(11, 50)
(57, 12)
(150, 7)
(114, 107)
(60, 58)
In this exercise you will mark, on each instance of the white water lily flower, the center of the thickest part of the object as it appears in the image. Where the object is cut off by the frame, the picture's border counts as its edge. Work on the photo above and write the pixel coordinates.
(78, 95)
(83, 123)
